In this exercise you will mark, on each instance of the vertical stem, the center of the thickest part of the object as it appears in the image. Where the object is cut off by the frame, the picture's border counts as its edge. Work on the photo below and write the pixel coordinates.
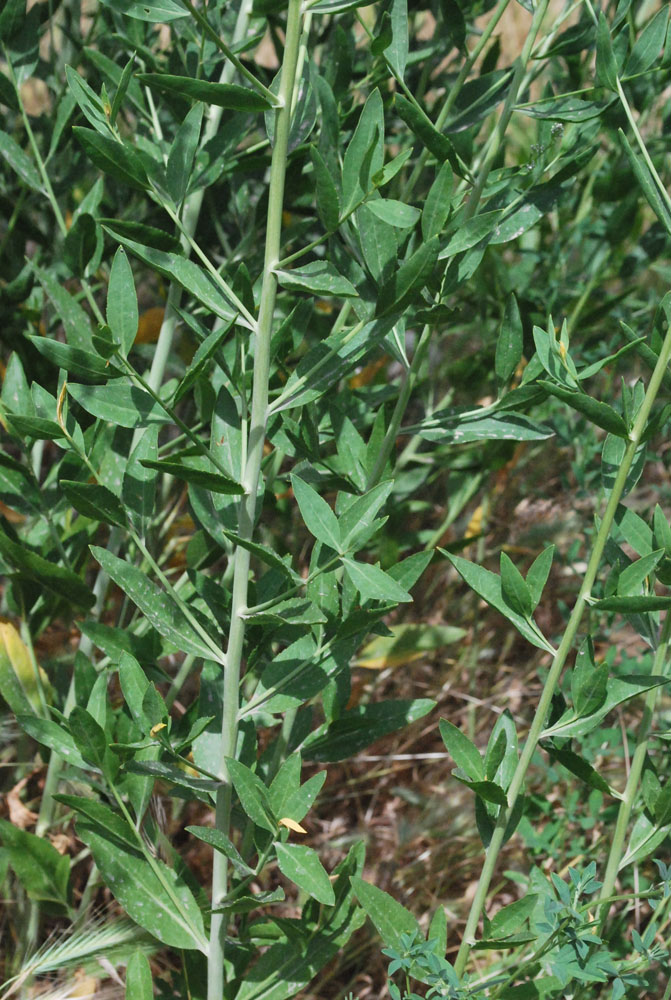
(250, 480)
(633, 780)
(559, 660)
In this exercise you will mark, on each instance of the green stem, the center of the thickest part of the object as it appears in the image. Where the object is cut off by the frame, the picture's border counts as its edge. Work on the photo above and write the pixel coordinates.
(633, 780)
(252, 472)
(559, 659)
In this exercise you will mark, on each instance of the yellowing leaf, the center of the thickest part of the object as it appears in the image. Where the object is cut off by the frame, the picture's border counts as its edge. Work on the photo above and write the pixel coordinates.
(406, 644)
(291, 824)
(149, 325)
(157, 728)
(19, 685)
(474, 526)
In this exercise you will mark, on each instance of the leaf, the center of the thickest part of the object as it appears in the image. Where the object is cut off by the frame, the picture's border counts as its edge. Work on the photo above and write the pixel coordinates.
(470, 233)
(20, 162)
(138, 489)
(328, 201)
(302, 866)
(113, 157)
(83, 364)
(373, 583)
(423, 128)
(411, 276)
(41, 870)
(396, 53)
(645, 837)
(596, 412)
(391, 920)
(509, 919)
(577, 765)
(565, 109)
(632, 604)
(364, 155)
(514, 589)
(358, 727)
(618, 691)
(157, 606)
(221, 95)
(100, 814)
(589, 682)
(120, 403)
(122, 310)
(215, 482)
(220, 842)
(192, 278)
(538, 574)
(59, 580)
(182, 152)
(319, 277)
(53, 735)
(647, 182)
(510, 342)
(406, 644)
(80, 244)
(18, 680)
(162, 11)
(163, 905)
(488, 586)
(606, 66)
(89, 737)
(360, 514)
(438, 202)
(266, 555)
(74, 319)
(253, 795)
(94, 501)
(319, 519)
(139, 981)
(649, 44)
(394, 213)
(89, 103)
(465, 755)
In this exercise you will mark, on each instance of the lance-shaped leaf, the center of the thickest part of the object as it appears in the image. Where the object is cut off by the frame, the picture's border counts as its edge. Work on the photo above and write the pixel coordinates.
(302, 866)
(215, 482)
(391, 920)
(222, 95)
(57, 579)
(596, 412)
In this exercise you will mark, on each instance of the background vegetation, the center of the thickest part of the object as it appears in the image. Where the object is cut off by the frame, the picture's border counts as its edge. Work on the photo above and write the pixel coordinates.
(333, 458)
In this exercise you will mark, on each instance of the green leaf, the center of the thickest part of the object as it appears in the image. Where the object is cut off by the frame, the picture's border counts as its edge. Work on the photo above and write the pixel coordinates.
(215, 482)
(74, 319)
(394, 213)
(182, 153)
(80, 244)
(81, 363)
(100, 814)
(645, 837)
(253, 795)
(514, 589)
(53, 735)
(488, 586)
(470, 233)
(220, 842)
(423, 128)
(157, 606)
(634, 530)
(364, 155)
(618, 691)
(96, 502)
(510, 918)
(510, 342)
(538, 574)
(138, 489)
(319, 519)
(294, 611)
(122, 310)
(139, 981)
(41, 870)
(222, 95)
(113, 157)
(438, 202)
(319, 277)
(302, 866)
(161, 11)
(120, 403)
(89, 737)
(647, 182)
(192, 278)
(373, 583)
(391, 920)
(577, 765)
(20, 162)
(396, 52)
(89, 103)
(606, 65)
(596, 412)
(59, 580)
(358, 727)
(156, 897)
(588, 681)
(266, 555)
(633, 605)
(360, 514)
(411, 276)
(649, 44)
(328, 202)
(465, 755)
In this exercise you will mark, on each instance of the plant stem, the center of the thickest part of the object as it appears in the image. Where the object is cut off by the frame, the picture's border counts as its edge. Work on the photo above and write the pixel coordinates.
(633, 780)
(252, 472)
(559, 659)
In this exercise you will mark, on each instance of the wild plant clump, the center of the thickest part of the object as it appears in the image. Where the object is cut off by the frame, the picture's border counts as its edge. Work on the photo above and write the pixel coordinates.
(291, 290)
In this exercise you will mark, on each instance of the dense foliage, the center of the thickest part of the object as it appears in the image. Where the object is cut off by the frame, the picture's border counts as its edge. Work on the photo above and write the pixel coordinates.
(287, 289)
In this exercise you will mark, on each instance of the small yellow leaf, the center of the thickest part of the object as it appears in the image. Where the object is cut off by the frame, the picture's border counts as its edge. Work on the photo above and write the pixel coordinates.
(157, 728)
(291, 824)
